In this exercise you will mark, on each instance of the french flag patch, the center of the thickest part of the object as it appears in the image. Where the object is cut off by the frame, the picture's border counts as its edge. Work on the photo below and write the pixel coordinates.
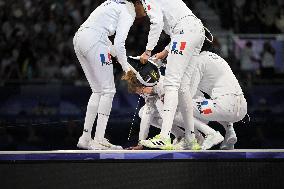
(204, 108)
(179, 46)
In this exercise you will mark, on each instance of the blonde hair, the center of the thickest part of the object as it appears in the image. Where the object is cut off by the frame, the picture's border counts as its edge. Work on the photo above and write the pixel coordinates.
(132, 81)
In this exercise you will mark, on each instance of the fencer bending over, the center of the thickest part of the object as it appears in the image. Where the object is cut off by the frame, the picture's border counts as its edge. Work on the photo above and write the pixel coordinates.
(93, 50)
(187, 36)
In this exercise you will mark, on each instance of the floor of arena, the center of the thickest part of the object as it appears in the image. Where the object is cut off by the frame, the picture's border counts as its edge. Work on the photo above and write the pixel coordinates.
(136, 155)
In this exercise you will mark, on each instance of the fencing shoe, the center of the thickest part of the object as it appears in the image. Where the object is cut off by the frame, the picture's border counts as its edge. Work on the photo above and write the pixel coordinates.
(84, 143)
(211, 140)
(230, 141)
(158, 142)
(103, 144)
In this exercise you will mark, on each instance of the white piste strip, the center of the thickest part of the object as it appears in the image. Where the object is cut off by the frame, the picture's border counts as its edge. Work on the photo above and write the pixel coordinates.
(141, 151)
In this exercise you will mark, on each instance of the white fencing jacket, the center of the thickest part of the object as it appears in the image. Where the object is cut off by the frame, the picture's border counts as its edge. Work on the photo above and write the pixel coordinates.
(164, 15)
(114, 17)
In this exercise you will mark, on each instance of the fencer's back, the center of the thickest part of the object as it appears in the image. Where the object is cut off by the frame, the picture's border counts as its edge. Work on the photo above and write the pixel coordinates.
(106, 16)
(173, 11)
(217, 76)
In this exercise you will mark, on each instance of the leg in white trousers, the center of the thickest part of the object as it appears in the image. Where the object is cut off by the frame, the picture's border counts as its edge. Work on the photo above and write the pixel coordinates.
(185, 43)
(92, 50)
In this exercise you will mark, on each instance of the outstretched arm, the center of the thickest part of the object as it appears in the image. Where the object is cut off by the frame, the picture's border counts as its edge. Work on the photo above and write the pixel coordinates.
(156, 18)
(125, 22)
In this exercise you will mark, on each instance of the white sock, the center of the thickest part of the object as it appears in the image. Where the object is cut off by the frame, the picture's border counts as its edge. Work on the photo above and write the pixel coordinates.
(228, 126)
(186, 107)
(105, 106)
(91, 114)
(203, 127)
(170, 106)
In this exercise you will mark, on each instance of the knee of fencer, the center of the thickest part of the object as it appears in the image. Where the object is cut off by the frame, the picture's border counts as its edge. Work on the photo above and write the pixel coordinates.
(172, 82)
(96, 90)
(241, 110)
(141, 112)
(242, 114)
(109, 93)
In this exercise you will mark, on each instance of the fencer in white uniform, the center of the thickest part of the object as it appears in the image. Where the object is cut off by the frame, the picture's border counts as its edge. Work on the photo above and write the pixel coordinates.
(93, 50)
(187, 36)
(227, 104)
(212, 75)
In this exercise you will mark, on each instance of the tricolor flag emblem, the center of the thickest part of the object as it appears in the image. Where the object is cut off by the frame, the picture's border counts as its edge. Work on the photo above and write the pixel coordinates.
(104, 61)
(178, 46)
(205, 108)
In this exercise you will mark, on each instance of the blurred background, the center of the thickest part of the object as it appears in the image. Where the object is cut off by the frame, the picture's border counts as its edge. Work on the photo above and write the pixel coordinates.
(44, 93)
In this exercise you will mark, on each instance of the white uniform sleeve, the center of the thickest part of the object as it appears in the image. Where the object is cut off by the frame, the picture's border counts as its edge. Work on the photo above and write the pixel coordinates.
(146, 118)
(124, 24)
(156, 18)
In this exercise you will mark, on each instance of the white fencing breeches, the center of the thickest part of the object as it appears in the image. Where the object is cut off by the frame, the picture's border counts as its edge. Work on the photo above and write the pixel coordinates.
(228, 108)
(93, 51)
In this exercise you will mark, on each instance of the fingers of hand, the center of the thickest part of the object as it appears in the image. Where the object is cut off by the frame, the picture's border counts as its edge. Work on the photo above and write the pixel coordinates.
(144, 58)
